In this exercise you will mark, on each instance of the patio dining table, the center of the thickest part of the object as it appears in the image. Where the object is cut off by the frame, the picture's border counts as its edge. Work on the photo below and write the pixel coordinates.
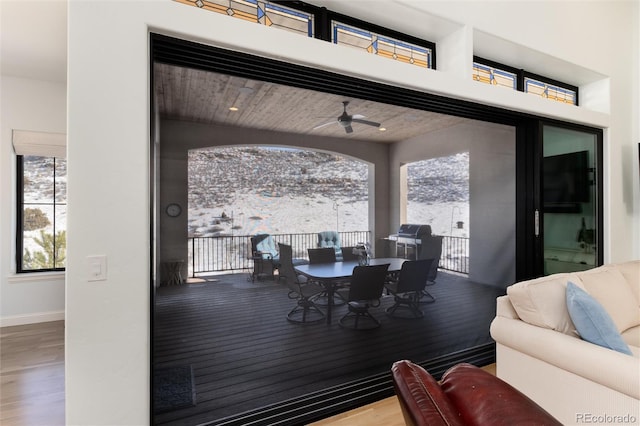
(329, 275)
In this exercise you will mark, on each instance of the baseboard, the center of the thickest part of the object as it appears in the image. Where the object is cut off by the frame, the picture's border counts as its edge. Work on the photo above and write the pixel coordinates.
(31, 318)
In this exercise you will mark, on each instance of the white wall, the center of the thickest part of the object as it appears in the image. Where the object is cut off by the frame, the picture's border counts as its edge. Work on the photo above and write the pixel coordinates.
(39, 106)
(601, 36)
(107, 340)
(492, 193)
(492, 204)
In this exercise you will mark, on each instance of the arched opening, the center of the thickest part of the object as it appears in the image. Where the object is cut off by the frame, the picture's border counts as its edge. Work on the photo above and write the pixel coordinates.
(438, 195)
(289, 193)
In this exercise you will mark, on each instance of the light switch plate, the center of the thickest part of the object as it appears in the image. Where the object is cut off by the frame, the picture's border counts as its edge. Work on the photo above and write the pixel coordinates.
(97, 268)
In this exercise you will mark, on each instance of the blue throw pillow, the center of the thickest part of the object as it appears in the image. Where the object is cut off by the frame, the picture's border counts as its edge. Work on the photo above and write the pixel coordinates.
(592, 322)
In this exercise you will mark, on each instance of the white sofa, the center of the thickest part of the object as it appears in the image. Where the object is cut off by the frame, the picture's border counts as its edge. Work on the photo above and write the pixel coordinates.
(539, 352)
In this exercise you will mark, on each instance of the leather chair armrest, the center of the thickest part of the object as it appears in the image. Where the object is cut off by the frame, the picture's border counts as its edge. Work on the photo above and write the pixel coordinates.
(421, 399)
(483, 399)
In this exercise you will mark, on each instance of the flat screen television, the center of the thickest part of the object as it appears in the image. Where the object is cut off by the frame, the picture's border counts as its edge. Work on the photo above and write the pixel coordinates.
(566, 184)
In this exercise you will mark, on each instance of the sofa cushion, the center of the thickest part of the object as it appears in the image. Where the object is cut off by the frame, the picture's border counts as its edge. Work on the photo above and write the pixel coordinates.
(329, 239)
(542, 302)
(632, 337)
(592, 321)
(610, 288)
(266, 245)
(631, 272)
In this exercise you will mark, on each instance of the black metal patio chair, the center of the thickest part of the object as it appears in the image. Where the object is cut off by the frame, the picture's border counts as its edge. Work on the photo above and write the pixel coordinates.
(364, 292)
(300, 289)
(408, 289)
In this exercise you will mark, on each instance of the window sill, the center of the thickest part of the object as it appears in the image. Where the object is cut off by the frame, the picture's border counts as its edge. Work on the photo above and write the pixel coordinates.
(37, 276)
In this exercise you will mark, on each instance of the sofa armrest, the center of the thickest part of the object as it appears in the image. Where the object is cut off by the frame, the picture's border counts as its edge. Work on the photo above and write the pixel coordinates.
(504, 308)
(604, 366)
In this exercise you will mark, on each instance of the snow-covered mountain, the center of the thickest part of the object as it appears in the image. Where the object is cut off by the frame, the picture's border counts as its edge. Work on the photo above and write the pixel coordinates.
(289, 191)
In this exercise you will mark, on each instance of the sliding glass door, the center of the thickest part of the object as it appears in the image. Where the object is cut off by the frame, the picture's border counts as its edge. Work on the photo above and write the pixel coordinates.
(571, 218)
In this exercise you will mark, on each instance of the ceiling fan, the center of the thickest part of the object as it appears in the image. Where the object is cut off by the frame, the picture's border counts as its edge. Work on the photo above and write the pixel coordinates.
(345, 120)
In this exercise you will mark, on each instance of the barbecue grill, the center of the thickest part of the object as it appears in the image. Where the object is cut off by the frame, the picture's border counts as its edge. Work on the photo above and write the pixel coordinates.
(413, 231)
(408, 239)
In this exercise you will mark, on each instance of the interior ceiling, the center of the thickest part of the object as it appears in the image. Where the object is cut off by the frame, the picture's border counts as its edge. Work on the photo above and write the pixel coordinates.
(205, 97)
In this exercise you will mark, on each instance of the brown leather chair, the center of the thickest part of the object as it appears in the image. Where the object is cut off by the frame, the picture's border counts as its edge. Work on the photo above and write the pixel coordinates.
(466, 396)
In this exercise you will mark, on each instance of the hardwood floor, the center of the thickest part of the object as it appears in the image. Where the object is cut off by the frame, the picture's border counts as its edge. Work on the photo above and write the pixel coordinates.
(32, 382)
(382, 413)
(32, 375)
(385, 412)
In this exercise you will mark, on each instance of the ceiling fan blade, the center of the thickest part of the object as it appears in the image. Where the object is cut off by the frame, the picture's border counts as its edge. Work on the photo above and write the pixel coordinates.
(325, 124)
(367, 122)
(345, 120)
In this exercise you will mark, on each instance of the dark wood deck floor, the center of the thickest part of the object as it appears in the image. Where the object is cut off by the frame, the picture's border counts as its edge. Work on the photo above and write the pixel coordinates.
(247, 356)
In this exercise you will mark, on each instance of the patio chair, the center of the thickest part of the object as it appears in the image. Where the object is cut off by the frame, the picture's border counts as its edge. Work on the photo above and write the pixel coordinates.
(408, 289)
(300, 289)
(348, 254)
(431, 248)
(365, 291)
(331, 239)
(265, 256)
(322, 255)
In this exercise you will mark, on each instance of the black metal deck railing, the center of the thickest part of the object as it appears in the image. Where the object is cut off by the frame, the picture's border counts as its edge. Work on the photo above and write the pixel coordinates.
(455, 254)
(233, 252)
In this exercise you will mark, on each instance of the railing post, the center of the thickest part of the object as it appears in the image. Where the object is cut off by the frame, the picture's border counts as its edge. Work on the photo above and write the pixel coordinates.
(193, 257)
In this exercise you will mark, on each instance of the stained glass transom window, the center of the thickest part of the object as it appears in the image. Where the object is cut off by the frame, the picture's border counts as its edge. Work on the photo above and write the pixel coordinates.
(549, 91)
(494, 76)
(382, 45)
(262, 12)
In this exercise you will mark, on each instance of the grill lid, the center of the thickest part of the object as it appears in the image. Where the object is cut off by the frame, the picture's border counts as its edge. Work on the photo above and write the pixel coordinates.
(413, 230)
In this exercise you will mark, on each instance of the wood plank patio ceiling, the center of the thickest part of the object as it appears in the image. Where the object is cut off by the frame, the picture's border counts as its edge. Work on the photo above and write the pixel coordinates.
(205, 97)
